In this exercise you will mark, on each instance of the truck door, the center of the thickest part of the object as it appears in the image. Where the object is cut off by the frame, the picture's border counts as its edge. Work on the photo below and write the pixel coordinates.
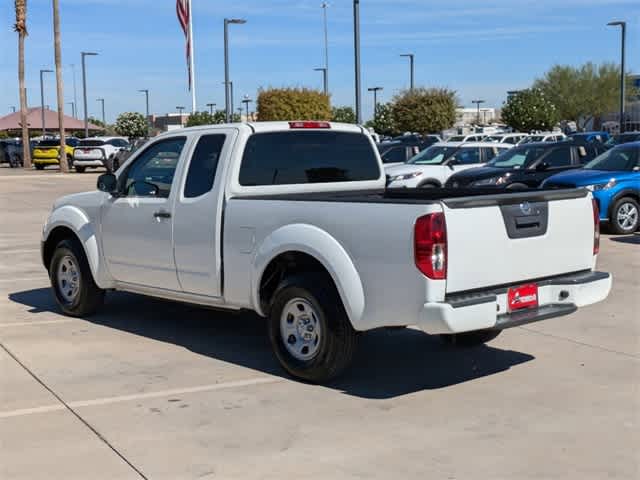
(197, 222)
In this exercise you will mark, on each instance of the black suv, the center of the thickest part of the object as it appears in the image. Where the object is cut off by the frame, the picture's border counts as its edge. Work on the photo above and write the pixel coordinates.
(402, 148)
(528, 165)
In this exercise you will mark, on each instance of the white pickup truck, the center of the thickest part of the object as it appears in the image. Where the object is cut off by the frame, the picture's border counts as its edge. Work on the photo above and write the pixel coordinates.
(292, 221)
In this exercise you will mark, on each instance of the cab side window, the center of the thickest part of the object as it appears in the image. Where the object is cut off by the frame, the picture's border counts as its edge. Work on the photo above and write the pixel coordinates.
(151, 174)
(466, 156)
(203, 166)
(558, 157)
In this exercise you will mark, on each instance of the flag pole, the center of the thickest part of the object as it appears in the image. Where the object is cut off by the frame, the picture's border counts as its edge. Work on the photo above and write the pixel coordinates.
(191, 62)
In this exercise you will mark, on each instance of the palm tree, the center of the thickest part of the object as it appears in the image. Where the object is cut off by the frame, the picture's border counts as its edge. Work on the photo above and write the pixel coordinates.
(21, 28)
(64, 166)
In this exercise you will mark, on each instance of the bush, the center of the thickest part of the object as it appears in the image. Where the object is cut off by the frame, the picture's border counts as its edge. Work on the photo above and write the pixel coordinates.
(200, 118)
(343, 115)
(529, 110)
(424, 110)
(292, 104)
(382, 121)
(131, 124)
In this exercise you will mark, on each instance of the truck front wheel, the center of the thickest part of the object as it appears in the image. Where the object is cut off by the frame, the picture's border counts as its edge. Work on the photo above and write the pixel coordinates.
(309, 330)
(470, 339)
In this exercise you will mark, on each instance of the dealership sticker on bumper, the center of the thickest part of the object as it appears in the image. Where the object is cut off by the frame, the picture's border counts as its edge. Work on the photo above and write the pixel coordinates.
(524, 296)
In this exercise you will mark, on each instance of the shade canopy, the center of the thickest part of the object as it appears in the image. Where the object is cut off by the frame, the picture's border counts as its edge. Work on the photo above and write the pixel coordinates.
(34, 121)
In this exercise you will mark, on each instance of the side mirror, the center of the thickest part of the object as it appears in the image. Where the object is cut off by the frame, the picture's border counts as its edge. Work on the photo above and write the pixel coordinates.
(541, 167)
(107, 182)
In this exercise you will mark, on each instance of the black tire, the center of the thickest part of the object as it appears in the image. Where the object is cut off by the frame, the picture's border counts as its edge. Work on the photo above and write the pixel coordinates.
(89, 296)
(517, 186)
(70, 161)
(470, 339)
(337, 341)
(79, 169)
(428, 185)
(615, 223)
(39, 166)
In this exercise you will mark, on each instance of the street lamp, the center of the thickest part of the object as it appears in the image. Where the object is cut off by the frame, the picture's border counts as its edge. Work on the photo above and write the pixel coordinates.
(44, 130)
(73, 108)
(228, 101)
(478, 102)
(146, 94)
(246, 100)
(84, 90)
(623, 28)
(375, 91)
(325, 86)
(75, 91)
(180, 110)
(356, 47)
(324, 6)
(101, 100)
(211, 105)
(411, 57)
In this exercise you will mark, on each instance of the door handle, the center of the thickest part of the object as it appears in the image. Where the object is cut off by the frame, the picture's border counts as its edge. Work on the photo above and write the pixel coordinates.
(162, 214)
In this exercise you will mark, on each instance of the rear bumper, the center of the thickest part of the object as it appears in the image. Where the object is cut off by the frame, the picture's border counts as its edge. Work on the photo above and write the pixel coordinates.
(88, 163)
(481, 310)
(45, 160)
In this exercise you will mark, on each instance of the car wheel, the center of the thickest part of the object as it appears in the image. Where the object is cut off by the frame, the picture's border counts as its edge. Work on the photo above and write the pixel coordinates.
(517, 186)
(470, 339)
(625, 215)
(79, 169)
(74, 288)
(428, 185)
(39, 166)
(309, 330)
(70, 161)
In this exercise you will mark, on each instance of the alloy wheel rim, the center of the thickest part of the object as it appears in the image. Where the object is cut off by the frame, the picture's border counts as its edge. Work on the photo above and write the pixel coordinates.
(300, 329)
(627, 216)
(68, 278)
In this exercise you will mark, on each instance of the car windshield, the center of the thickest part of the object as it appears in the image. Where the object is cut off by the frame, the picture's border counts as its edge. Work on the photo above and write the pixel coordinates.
(49, 143)
(617, 159)
(623, 138)
(457, 138)
(493, 138)
(433, 155)
(519, 157)
(90, 143)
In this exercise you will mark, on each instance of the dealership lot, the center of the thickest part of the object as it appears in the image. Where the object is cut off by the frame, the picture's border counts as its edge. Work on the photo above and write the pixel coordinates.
(150, 389)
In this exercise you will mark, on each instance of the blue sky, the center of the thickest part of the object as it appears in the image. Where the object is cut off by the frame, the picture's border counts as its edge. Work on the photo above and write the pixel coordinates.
(478, 48)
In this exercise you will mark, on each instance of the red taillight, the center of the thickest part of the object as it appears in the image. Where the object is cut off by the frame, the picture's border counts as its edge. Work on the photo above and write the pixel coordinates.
(596, 227)
(430, 245)
(309, 124)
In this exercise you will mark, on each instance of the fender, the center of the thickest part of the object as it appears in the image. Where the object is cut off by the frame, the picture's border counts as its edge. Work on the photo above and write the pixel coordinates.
(77, 221)
(433, 181)
(624, 192)
(323, 247)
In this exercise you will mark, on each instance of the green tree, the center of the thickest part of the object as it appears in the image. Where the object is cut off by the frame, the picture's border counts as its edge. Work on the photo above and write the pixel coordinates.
(200, 118)
(529, 110)
(424, 110)
(343, 114)
(131, 124)
(583, 93)
(382, 121)
(292, 104)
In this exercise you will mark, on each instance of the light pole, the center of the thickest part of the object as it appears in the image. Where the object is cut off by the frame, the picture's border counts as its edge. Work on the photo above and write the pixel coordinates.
(228, 99)
(478, 102)
(180, 110)
(84, 90)
(75, 91)
(73, 108)
(101, 100)
(325, 86)
(44, 130)
(246, 100)
(324, 6)
(623, 28)
(411, 57)
(146, 94)
(375, 91)
(356, 47)
(211, 105)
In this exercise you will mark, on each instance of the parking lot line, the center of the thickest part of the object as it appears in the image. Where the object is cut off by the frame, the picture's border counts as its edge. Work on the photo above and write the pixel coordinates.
(140, 396)
(40, 322)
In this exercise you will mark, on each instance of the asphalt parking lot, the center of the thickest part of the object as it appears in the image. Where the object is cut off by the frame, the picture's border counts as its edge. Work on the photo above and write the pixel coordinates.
(150, 389)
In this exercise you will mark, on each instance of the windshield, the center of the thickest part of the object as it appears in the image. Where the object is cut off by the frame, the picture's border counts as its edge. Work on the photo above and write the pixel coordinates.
(616, 159)
(90, 143)
(623, 138)
(433, 155)
(493, 138)
(519, 157)
(49, 143)
(457, 138)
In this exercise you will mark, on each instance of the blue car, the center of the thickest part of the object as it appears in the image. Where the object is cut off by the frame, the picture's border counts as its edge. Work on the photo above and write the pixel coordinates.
(614, 179)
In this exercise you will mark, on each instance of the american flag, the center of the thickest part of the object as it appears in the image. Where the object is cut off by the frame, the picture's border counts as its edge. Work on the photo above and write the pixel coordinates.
(183, 12)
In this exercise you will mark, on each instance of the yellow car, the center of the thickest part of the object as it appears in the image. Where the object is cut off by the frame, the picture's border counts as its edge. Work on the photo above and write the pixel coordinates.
(46, 152)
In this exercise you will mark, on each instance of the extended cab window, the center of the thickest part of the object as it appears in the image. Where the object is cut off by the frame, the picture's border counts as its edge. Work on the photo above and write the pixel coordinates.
(151, 174)
(203, 166)
(467, 156)
(298, 157)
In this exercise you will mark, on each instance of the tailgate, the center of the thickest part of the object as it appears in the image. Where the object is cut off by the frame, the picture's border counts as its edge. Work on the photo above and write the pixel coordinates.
(514, 237)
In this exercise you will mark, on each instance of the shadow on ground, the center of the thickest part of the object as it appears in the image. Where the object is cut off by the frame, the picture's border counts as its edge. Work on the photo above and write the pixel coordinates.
(633, 239)
(388, 363)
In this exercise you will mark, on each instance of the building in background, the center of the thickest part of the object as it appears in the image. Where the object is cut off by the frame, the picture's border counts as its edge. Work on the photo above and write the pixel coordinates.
(469, 116)
(168, 121)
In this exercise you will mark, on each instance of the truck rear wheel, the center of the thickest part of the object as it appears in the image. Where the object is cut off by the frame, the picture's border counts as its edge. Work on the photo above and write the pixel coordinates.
(309, 330)
(470, 339)
(79, 169)
(72, 281)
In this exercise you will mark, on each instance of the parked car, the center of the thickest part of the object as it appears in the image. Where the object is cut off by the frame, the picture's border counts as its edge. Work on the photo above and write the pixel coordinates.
(472, 137)
(433, 166)
(97, 152)
(11, 152)
(527, 165)
(614, 179)
(589, 137)
(396, 153)
(623, 138)
(512, 138)
(291, 220)
(121, 155)
(544, 137)
(47, 152)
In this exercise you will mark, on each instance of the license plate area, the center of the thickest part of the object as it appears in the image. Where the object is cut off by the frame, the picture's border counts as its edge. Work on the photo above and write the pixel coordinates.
(522, 297)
